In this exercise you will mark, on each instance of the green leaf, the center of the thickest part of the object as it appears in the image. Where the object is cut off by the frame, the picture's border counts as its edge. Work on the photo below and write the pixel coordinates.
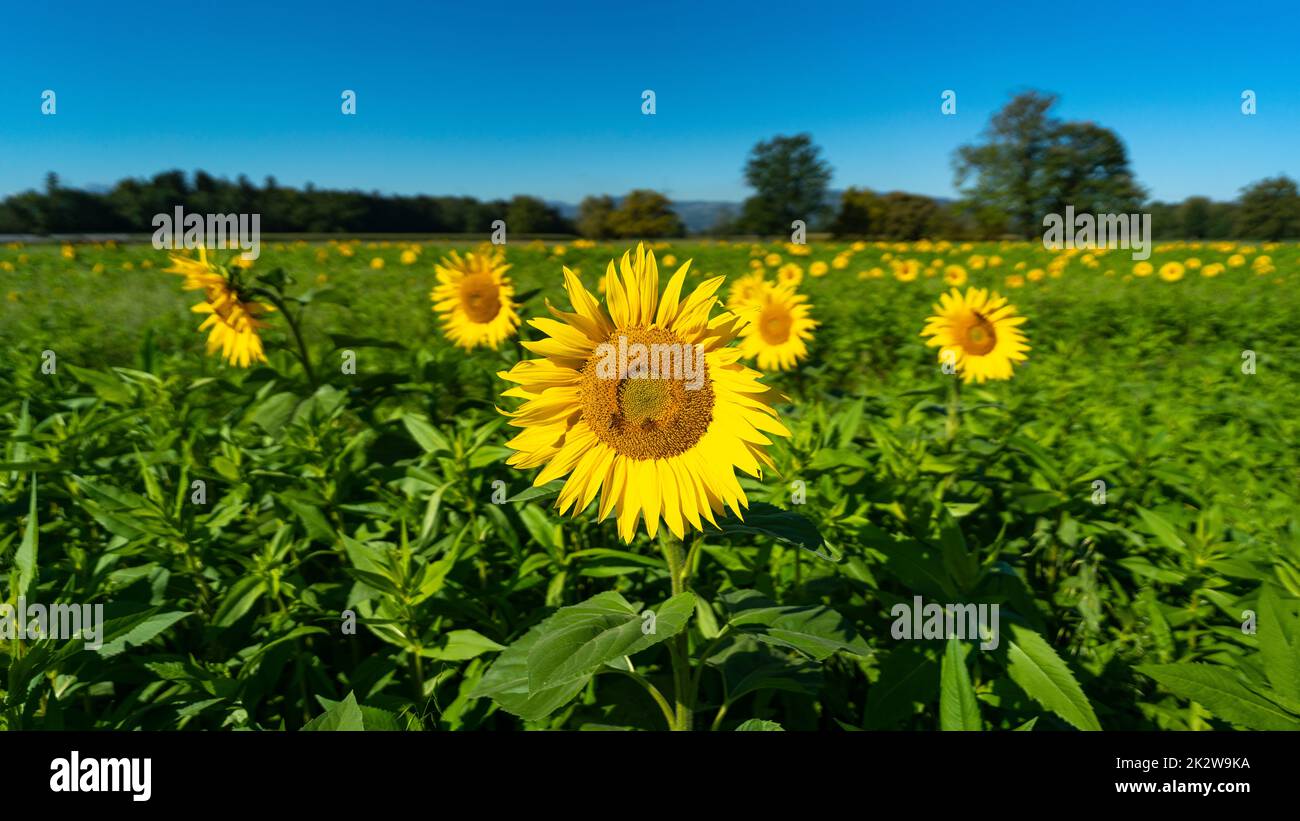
(1041, 673)
(506, 683)
(759, 725)
(763, 519)
(136, 629)
(25, 558)
(462, 645)
(814, 630)
(958, 709)
(344, 715)
(425, 435)
(1162, 530)
(545, 491)
(578, 640)
(1219, 691)
(1278, 631)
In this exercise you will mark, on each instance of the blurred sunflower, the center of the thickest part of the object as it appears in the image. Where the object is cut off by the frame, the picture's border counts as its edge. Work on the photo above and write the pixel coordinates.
(790, 274)
(233, 319)
(978, 332)
(473, 298)
(746, 289)
(1143, 269)
(906, 270)
(662, 445)
(954, 275)
(818, 269)
(1172, 271)
(779, 333)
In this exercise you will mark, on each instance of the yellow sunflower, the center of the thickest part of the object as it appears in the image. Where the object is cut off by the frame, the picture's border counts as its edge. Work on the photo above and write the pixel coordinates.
(1172, 271)
(954, 275)
(790, 274)
(778, 334)
(654, 439)
(746, 289)
(473, 298)
(233, 320)
(979, 333)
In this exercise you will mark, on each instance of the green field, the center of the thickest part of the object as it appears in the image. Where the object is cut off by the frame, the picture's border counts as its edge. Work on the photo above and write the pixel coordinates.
(374, 494)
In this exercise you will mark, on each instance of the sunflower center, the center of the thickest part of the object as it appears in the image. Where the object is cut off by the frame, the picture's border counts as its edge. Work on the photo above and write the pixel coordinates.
(774, 324)
(480, 297)
(647, 394)
(980, 336)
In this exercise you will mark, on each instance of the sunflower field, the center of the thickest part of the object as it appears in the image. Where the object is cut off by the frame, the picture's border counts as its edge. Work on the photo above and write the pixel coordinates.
(385, 484)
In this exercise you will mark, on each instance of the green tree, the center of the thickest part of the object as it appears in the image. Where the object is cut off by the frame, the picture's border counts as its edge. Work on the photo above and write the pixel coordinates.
(1269, 210)
(593, 217)
(1194, 217)
(860, 214)
(529, 215)
(790, 179)
(645, 214)
(1030, 164)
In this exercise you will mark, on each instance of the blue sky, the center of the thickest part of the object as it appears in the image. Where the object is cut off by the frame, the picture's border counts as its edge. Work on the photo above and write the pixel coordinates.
(495, 98)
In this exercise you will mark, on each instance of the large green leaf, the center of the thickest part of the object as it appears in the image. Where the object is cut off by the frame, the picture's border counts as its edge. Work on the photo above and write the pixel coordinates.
(506, 683)
(958, 709)
(1219, 691)
(580, 639)
(763, 519)
(1034, 665)
(814, 630)
(1278, 632)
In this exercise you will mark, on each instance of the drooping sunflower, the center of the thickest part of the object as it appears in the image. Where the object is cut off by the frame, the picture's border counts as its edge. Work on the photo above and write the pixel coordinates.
(233, 319)
(473, 298)
(979, 333)
(662, 443)
(779, 333)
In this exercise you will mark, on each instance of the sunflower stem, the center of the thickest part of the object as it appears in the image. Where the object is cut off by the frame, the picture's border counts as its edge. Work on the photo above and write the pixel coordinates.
(679, 646)
(954, 411)
(303, 356)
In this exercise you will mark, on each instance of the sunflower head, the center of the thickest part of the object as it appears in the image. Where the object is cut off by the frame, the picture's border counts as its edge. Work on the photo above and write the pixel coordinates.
(979, 333)
(779, 330)
(232, 316)
(746, 289)
(473, 297)
(640, 400)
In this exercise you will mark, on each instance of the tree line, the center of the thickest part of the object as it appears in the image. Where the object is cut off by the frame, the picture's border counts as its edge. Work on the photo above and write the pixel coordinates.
(1027, 163)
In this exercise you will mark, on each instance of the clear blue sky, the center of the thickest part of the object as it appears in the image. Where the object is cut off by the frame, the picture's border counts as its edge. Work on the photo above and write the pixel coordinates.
(492, 98)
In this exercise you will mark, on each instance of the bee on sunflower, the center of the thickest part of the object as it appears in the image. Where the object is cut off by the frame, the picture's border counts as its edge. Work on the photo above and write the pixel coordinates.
(473, 298)
(780, 329)
(662, 445)
(233, 319)
(979, 333)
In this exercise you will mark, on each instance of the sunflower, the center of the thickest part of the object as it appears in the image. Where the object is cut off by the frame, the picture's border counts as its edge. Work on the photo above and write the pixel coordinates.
(906, 270)
(233, 319)
(1143, 269)
(662, 444)
(746, 289)
(954, 275)
(473, 298)
(779, 333)
(790, 274)
(979, 333)
(1172, 271)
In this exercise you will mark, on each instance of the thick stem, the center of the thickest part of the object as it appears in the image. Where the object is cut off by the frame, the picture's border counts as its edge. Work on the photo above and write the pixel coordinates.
(292, 322)
(679, 645)
(954, 410)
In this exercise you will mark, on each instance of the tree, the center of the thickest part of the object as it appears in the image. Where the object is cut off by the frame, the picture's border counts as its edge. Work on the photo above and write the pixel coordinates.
(645, 214)
(1270, 210)
(593, 217)
(860, 214)
(529, 215)
(1194, 217)
(1032, 164)
(790, 180)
